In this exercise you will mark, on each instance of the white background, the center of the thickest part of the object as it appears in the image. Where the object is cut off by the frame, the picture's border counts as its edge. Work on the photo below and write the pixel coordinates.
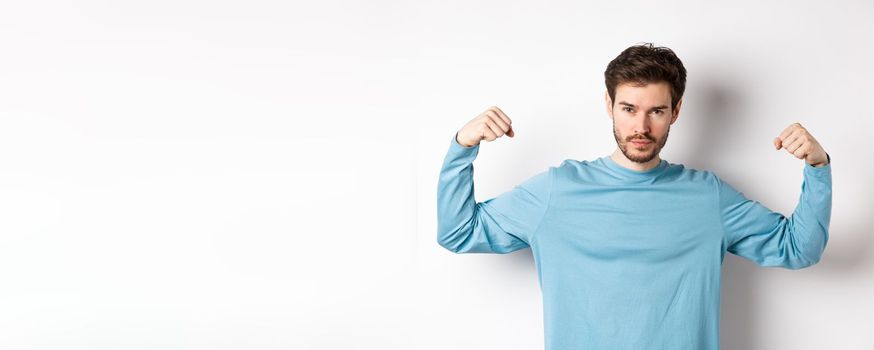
(225, 175)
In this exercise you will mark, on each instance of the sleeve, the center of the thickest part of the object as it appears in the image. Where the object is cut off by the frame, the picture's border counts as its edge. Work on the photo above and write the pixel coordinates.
(498, 225)
(770, 239)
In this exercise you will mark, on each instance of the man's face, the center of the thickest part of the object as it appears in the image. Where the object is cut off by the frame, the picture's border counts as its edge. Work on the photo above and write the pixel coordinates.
(642, 118)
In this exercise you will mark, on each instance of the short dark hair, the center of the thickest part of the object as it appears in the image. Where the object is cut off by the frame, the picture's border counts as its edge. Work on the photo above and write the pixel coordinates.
(645, 64)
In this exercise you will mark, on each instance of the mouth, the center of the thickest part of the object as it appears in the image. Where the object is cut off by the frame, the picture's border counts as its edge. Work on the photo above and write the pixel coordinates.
(641, 143)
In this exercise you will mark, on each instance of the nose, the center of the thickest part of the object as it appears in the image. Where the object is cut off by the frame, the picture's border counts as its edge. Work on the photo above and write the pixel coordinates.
(641, 125)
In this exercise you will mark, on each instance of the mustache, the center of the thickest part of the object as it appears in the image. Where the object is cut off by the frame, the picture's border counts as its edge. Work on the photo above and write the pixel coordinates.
(640, 137)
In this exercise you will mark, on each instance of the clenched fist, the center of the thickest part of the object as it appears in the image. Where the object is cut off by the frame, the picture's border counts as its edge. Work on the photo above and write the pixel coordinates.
(796, 140)
(488, 125)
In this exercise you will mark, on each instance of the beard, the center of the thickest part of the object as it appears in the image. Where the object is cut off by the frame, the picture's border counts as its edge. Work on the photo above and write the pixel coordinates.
(640, 156)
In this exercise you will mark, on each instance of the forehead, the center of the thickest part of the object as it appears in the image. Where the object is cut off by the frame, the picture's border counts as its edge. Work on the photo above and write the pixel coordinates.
(644, 95)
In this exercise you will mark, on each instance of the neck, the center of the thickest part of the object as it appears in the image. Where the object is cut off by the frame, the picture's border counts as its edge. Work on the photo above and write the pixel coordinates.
(622, 160)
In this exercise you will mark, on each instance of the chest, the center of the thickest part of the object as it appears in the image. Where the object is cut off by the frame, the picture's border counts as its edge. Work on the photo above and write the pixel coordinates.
(651, 222)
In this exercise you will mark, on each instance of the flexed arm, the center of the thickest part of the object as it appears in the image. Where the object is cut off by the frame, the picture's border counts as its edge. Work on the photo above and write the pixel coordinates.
(499, 225)
(770, 239)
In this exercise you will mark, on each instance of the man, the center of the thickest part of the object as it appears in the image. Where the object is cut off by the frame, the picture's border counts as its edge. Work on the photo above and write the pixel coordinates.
(629, 247)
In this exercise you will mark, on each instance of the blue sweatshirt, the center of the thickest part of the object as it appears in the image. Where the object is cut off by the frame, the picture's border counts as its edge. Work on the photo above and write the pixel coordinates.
(629, 259)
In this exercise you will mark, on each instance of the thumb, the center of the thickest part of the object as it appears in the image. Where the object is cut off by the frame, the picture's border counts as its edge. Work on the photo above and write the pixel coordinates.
(510, 132)
(778, 143)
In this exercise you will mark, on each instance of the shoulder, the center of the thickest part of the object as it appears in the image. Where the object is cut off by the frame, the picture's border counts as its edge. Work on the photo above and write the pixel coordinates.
(581, 171)
(686, 173)
(573, 167)
(568, 164)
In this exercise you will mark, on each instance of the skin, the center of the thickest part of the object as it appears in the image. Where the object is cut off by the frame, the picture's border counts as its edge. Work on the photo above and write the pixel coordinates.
(642, 112)
(488, 125)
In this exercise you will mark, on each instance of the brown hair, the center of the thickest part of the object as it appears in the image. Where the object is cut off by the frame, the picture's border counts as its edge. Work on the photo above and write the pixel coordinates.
(645, 64)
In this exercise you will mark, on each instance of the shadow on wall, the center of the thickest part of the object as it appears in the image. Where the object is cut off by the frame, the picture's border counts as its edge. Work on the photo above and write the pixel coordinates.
(739, 305)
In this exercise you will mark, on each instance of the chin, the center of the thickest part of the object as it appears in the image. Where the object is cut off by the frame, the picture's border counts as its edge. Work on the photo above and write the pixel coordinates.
(641, 160)
(638, 156)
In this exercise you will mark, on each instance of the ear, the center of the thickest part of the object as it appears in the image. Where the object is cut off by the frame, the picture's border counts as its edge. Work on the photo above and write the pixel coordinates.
(677, 111)
(609, 103)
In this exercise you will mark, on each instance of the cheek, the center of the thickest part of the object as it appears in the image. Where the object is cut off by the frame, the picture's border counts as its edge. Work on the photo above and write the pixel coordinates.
(620, 129)
(659, 126)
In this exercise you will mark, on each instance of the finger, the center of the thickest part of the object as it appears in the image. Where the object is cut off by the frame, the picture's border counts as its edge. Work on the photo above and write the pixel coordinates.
(789, 129)
(786, 133)
(494, 127)
(488, 133)
(790, 139)
(796, 144)
(502, 115)
(505, 119)
(802, 151)
(778, 143)
(500, 122)
(493, 116)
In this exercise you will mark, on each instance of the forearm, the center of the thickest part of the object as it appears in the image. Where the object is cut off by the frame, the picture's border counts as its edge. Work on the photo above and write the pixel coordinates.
(456, 205)
(811, 218)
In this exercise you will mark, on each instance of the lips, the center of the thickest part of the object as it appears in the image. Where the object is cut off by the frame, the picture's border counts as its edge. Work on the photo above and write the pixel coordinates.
(641, 142)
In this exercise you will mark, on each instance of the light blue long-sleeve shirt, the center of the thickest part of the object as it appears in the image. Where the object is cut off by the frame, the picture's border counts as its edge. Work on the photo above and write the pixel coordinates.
(629, 259)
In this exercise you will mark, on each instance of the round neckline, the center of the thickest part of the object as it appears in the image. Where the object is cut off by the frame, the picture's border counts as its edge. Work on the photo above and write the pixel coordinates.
(610, 163)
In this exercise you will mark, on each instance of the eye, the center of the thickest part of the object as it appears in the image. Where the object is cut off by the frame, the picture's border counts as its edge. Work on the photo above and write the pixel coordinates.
(627, 109)
(658, 111)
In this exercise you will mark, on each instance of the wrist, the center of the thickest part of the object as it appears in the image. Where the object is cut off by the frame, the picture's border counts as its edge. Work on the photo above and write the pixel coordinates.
(824, 163)
(461, 143)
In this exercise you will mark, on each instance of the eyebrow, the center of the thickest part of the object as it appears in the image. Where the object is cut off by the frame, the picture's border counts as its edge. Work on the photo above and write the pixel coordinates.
(633, 106)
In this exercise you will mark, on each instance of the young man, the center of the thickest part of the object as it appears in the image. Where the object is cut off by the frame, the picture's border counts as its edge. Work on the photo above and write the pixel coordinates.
(629, 247)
